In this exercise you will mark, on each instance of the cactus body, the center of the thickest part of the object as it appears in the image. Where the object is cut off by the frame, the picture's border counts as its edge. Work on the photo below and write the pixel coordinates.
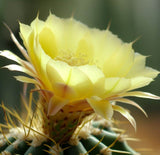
(93, 144)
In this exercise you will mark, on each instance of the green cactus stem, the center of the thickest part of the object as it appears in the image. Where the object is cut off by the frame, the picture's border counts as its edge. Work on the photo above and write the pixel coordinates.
(98, 142)
(4, 143)
(66, 133)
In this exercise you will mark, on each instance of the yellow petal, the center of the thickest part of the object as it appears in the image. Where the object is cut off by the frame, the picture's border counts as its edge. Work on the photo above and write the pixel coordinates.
(139, 82)
(55, 104)
(124, 100)
(97, 78)
(42, 60)
(61, 74)
(105, 46)
(139, 69)
(33, 45)
(26, 79)
(138, 66)
(30, 49)
(120, 62)
(64, 31)
(101, 107)
(19, 46)
(79, 81)
(59, 71)
(37, 25)
(25, 31)
(126, 114)
(85, 49)
(9, 55)
(140, 94)
(48, 42)
(38, 57)
(58, 74)
(149, 72)
(14, 67)
(116, 85)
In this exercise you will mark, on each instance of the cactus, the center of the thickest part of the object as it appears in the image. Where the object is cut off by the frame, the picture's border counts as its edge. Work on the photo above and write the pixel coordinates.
(91, 145)
(80, 74)
(98, 139)
(64, 134)
(35, 134)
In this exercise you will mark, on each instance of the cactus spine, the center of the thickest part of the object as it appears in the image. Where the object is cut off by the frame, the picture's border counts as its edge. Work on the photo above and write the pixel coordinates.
(88, 136)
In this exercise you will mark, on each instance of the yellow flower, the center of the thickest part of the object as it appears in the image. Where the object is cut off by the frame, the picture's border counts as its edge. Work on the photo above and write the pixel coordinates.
(81, 67)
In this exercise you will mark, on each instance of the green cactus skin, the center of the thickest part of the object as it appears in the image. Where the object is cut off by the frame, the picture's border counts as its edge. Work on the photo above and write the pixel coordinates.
(5, 143)
(91, 145)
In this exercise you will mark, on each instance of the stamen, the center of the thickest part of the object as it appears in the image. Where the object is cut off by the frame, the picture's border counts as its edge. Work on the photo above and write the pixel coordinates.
(73, 59)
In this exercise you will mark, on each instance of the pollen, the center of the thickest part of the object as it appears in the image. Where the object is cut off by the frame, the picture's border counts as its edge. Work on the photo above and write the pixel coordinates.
(73, 59)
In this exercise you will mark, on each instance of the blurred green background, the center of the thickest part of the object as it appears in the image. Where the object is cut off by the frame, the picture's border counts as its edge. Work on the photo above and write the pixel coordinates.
(129, 20)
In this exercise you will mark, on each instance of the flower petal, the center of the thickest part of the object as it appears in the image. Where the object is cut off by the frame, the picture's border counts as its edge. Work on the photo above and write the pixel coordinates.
(116, 85)
(68, 32)
(138, 82)
(19, 68)
(97, 78)
(48, 42)
(9, 55)
(139, 69)
(138, 66)
(124, 100)
(58, 74)
(25, 31)
(85, 49)
(120, 62)
(55, 104)
(105, 45)
(101, 107)
(79, 81)
(72, 78)
(150, 72)
(58, 70)
(140, 94)
(37, 25)
(126, 114)
(26, 79)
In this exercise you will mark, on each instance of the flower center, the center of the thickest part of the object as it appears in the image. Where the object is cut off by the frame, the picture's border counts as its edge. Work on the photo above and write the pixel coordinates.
(73, 59)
